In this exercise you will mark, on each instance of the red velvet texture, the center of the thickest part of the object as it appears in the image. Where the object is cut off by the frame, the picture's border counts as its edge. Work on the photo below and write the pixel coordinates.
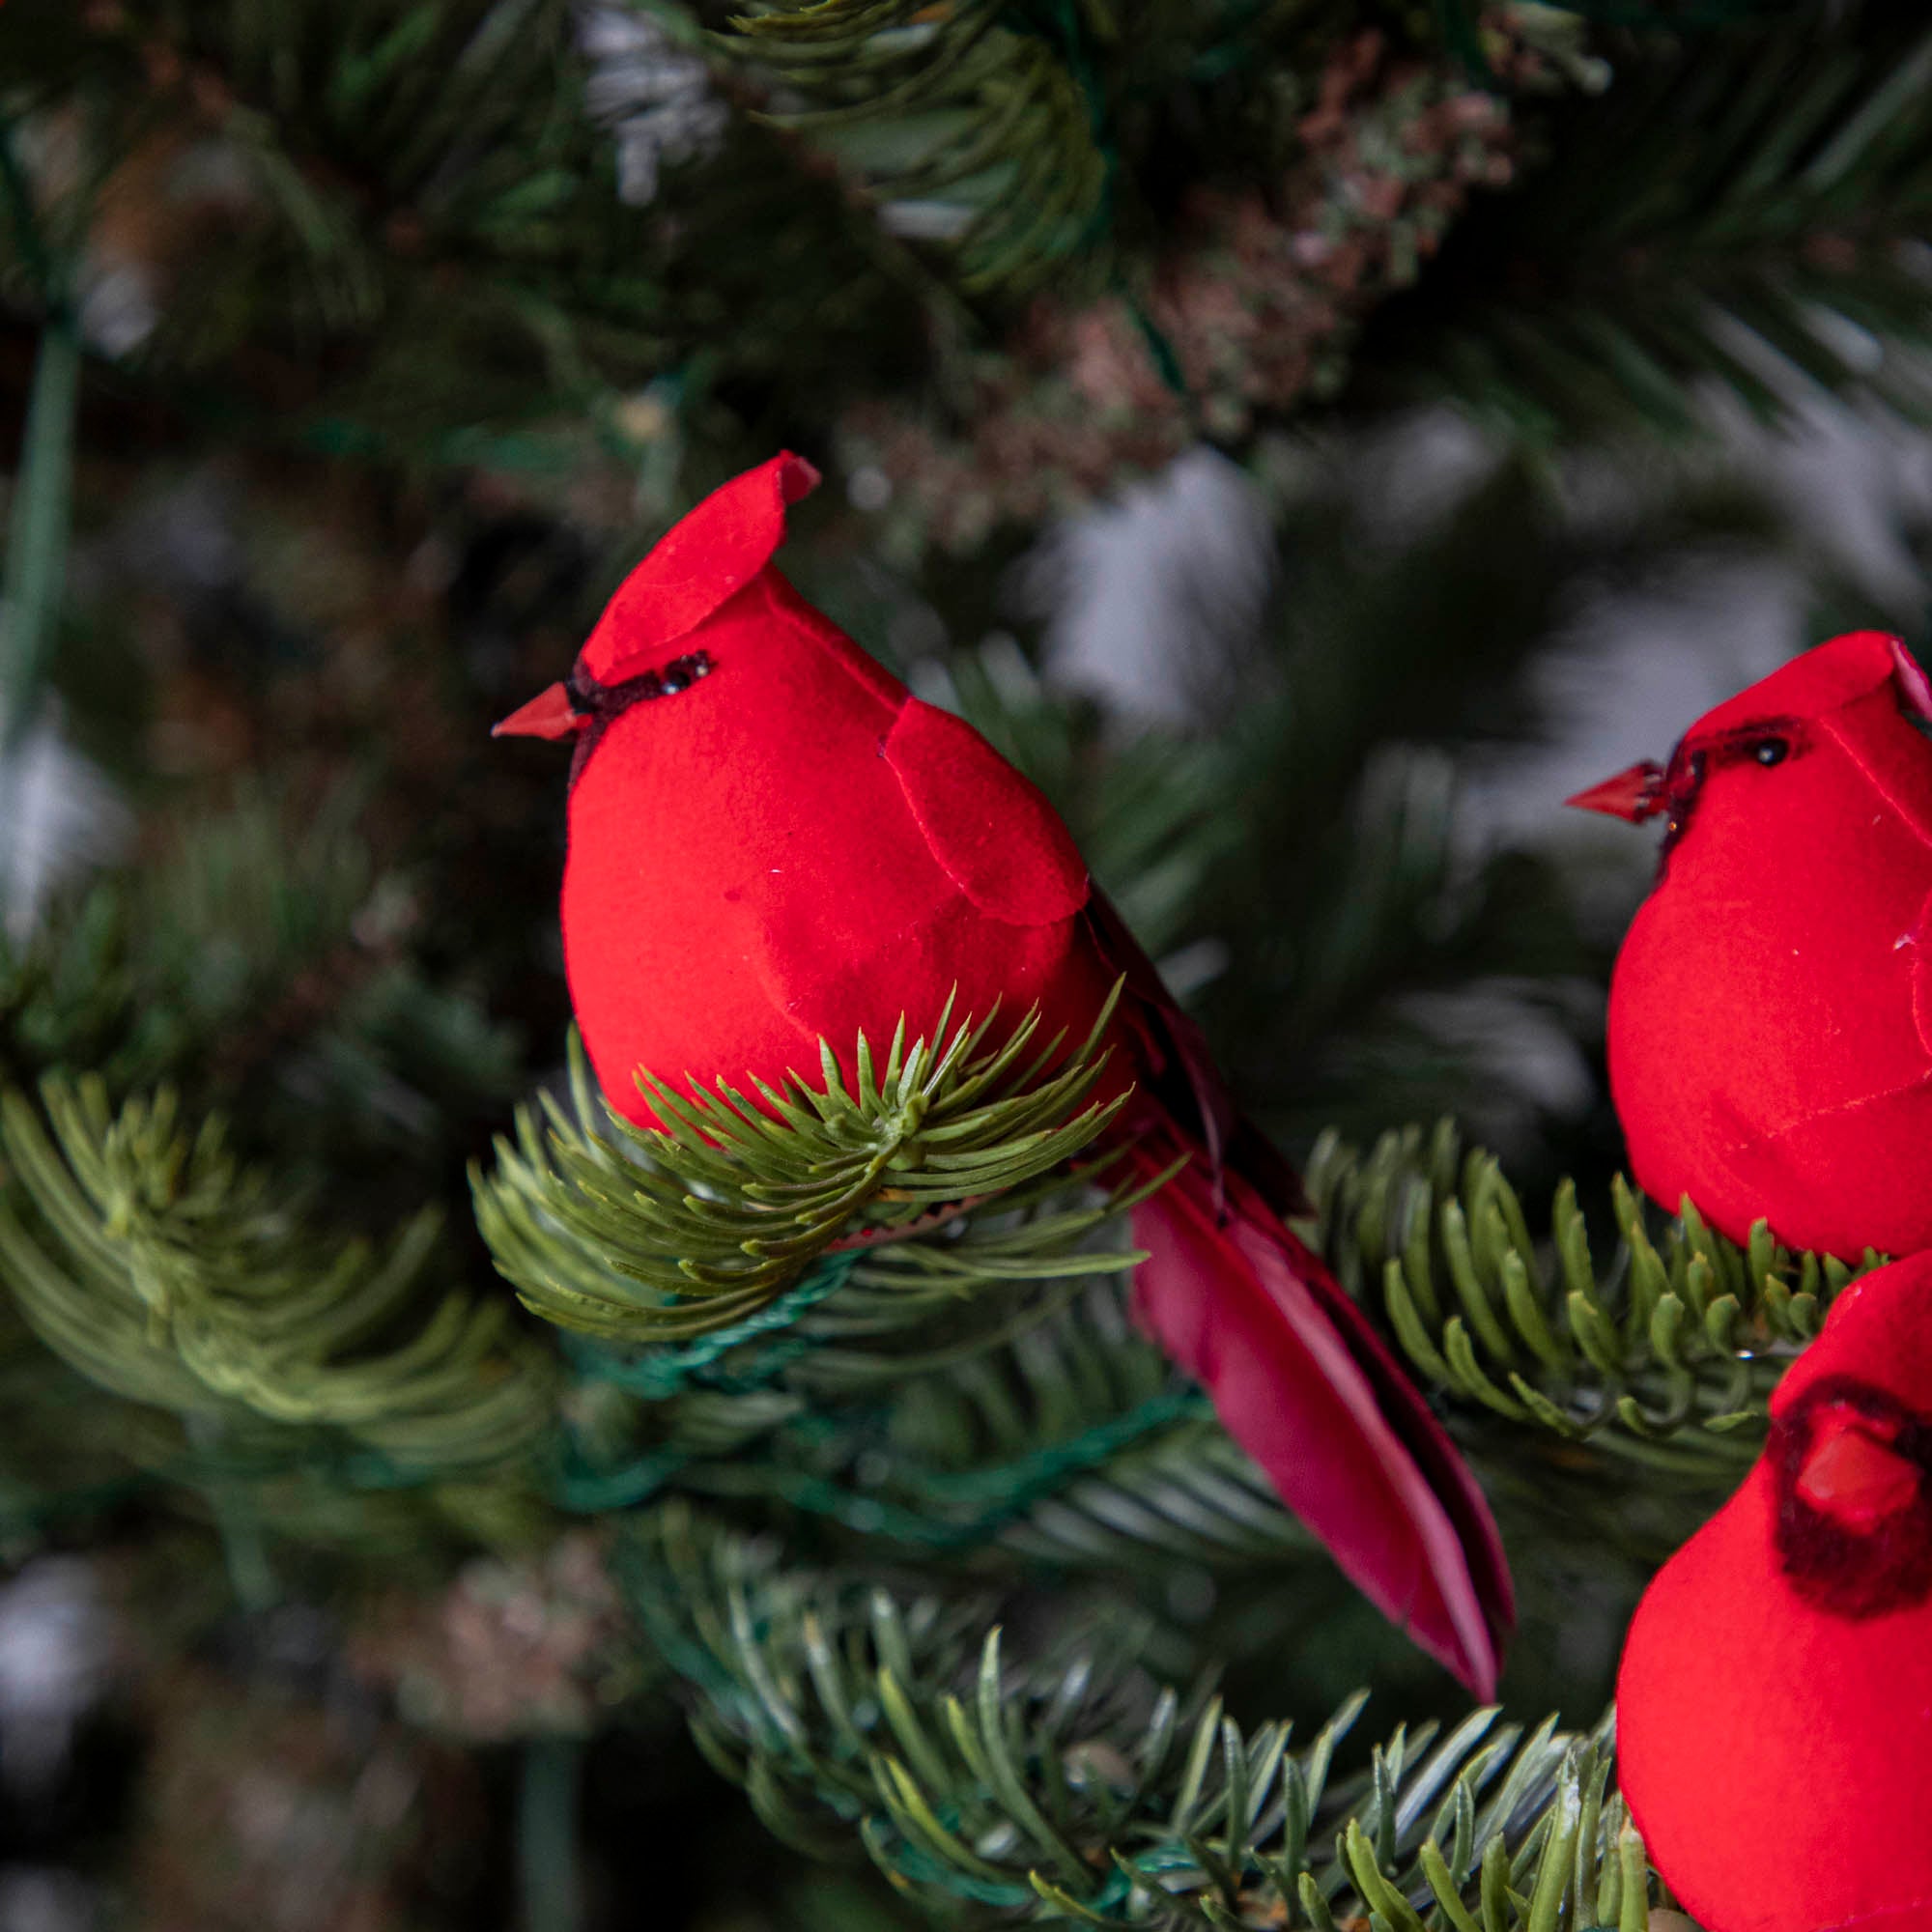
(795, 848)
(1769, 1019)
(1774, 1706)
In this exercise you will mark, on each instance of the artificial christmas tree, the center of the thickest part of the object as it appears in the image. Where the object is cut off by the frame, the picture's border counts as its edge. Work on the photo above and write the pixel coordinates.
(355, 354)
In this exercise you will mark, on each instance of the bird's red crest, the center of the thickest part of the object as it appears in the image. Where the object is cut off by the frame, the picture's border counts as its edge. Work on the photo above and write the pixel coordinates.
(1822, 679)
(694, 567)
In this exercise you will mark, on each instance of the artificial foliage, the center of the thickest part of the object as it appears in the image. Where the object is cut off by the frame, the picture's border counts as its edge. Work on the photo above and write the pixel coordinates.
(1662, 1349)
(716, 1214)
(1063, 1789)
(161, 1269)
(1757, 232)
(763, 1505)
(986, 121)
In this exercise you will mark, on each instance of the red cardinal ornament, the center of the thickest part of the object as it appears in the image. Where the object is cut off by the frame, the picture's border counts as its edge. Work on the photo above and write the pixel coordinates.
(1774, 1706)
(1771, 1013)
(773, 842)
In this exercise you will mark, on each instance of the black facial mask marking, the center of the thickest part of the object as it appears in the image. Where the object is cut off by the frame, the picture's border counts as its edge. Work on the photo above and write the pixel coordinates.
(604, 703)
(1765, 742)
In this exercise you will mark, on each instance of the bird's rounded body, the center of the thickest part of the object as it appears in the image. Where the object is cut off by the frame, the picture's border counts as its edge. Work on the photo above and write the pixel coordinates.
(748, 870)
(1770, 1023)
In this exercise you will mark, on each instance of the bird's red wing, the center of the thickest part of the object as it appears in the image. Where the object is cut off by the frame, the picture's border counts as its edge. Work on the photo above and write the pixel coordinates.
(991, 830)
(1004, 847)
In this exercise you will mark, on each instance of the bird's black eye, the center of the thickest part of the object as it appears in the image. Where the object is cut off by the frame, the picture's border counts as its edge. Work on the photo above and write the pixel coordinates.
(1772, 751)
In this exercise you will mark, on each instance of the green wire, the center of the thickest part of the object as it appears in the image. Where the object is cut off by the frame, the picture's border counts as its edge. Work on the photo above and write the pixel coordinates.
(36, 534)
(547, 1870)
(35, 570)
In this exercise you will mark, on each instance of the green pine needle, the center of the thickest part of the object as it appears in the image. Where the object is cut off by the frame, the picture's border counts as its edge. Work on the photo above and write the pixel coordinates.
(957, 108)
(1068, 1786)
(142, 1254)
(1667, 1353)
(1760, 228)
(666, 1235)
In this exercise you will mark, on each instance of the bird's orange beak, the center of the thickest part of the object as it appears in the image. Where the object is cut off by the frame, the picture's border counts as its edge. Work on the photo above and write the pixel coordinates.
(1856, 1477)
(550, 714)
(1634, 794)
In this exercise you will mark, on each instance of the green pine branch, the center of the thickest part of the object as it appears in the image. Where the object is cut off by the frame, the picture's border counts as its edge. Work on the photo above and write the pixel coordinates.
(149, 1260)
(1049, 1429)
(1666, 1352)
(1075, 1444)
(930, 1364)
(672, 1233)
(413, 172)
(961, 119)
(1065, 1786)
(1761, 228)
(812, 1308)
(408, 237)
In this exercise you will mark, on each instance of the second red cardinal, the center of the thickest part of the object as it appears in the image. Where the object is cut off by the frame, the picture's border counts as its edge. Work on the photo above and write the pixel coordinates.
(773, 842)
(1770, 1014)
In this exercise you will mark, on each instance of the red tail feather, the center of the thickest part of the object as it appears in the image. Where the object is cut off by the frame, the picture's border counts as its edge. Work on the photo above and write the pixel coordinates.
(1305, 1385)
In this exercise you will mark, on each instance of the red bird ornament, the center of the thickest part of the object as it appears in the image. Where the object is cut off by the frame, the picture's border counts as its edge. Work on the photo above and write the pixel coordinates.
(1771, 1012)
(1774, 1704)
(772, 842)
